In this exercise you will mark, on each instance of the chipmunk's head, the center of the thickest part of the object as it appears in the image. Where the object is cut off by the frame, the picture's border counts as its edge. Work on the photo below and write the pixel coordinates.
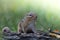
(6, 29)
(32, 15)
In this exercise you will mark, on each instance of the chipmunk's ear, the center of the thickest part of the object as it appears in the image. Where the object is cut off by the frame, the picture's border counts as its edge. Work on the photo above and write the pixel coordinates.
(36, 17)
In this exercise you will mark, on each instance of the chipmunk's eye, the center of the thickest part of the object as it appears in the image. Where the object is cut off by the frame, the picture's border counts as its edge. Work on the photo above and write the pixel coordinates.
(30, 15)
(4, 30)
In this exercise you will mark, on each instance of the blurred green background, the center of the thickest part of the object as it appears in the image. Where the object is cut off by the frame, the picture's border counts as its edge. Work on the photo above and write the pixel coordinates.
(12, 11)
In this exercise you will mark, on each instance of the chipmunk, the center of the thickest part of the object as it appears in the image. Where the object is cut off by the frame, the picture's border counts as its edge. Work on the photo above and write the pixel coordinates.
(27, 25)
